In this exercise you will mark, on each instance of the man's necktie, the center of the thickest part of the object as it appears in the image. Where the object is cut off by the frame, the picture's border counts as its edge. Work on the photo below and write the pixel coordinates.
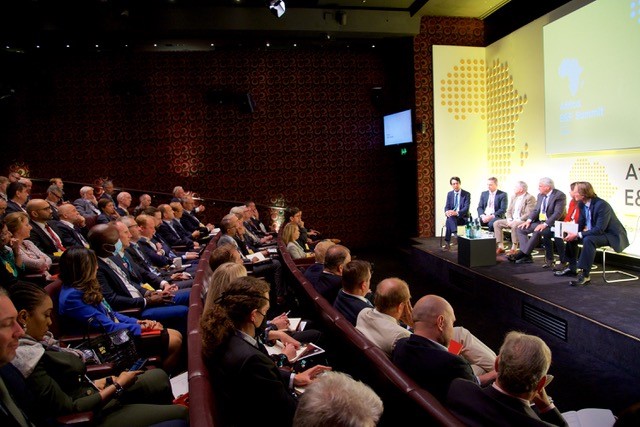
(56, 240)
(544, 204)
(456, 203)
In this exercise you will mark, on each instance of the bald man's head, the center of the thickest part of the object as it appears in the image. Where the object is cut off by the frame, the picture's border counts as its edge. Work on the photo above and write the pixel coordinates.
(433, 317)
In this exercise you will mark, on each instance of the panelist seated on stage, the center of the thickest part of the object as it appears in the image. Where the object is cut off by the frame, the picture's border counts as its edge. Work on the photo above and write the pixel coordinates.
(598, 226)
(522, 367)
(573, 215)
(424, 355)
(493, 204)
(550, 207)
(520, 207)
(456, 210)
(392, 319)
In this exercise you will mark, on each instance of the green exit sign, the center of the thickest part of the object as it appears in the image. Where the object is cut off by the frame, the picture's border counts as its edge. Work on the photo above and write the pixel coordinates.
(403, 151)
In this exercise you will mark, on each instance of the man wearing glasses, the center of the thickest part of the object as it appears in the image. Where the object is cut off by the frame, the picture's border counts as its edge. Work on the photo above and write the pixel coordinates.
(44, 237)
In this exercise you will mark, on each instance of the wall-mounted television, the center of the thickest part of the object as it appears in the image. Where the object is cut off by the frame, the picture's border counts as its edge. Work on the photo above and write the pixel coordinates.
(398, 128)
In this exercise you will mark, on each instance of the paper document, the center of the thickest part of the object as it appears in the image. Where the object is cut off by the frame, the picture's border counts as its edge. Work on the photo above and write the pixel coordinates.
(180, 384)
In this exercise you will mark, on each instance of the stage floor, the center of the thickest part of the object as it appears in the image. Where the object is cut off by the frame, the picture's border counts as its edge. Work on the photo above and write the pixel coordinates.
(595, 355)
(614, 305)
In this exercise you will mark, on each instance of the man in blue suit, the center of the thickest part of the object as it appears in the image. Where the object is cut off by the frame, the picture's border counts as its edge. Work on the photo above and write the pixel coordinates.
(456, 209)
(598, 226)
(493, 204)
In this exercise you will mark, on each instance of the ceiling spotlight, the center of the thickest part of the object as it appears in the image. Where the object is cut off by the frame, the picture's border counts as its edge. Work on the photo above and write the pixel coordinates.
(277, 7)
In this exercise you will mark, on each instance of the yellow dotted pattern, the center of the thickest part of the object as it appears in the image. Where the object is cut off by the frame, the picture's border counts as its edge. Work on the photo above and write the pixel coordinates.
(504, 107)
(584, 170)
(463, 92)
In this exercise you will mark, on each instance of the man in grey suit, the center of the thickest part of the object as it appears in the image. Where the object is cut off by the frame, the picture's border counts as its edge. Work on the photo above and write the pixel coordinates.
(598, 226)
(520, 207)
(493, 204)
(550, 207)
(87, 205)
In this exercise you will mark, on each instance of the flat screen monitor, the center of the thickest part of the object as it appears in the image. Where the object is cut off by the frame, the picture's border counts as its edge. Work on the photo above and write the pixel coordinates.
(398, 128)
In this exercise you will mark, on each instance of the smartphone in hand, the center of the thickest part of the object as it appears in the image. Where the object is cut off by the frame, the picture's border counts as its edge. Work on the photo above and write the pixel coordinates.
(139, 364)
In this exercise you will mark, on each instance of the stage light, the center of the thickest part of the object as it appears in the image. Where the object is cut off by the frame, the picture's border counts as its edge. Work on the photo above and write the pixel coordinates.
(277, 7)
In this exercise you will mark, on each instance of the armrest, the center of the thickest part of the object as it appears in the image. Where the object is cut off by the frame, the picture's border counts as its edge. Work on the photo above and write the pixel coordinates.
(99, 371)
(77, 419)
(131, 312)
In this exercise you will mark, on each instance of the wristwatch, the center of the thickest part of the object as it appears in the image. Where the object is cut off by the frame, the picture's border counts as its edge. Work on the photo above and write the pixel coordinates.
(119, 389)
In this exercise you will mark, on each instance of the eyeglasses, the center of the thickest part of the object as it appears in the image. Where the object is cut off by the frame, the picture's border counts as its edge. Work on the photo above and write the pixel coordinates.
(263, 314)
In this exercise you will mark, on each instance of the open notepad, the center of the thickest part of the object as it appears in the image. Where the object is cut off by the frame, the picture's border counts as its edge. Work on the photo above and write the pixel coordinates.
(305, 350)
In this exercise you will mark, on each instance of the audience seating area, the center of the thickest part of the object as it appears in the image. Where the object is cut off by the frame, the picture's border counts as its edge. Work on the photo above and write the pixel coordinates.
(403, 399)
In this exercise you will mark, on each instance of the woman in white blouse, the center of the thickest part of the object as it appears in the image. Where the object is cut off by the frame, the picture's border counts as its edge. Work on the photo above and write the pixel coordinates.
(34, 259)
(290, 234)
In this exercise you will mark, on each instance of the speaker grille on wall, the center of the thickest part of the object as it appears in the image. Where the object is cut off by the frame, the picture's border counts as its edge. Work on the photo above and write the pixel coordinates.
(545, 321)
(246, 104)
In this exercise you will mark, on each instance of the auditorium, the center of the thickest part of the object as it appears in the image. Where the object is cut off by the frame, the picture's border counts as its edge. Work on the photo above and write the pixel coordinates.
(301, 138)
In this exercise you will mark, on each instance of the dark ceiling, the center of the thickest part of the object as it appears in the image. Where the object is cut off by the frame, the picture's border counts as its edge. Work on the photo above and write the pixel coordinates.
(28, 23)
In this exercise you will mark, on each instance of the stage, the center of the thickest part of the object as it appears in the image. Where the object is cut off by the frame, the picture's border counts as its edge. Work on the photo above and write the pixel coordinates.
(593, 331)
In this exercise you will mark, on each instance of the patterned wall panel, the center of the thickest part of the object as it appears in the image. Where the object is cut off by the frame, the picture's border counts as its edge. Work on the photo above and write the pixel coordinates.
(314, 139)
(434, 31)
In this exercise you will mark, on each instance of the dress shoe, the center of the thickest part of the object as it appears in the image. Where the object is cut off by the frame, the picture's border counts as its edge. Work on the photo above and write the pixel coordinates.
(499, 251)
(561, 266)
(526, 259)
(566, 272)
(581, 280)
(446, 247)
(548, 263)
(518, 255)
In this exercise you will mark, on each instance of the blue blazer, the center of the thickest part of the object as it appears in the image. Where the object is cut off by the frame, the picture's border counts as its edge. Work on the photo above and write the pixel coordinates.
(464, 203)
(603, 222)
(71, 305)
(500, 203)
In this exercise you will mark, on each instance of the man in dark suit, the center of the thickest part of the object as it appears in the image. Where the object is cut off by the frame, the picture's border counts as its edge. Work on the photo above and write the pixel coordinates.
(598, 226)
(424, 355)
(550, 207)
(171, 233)
(54, 196)
(190, 221)
(313, 272)
(329, 282)
(121, 291)
(43, 234)
(17, 195)
(356, 289)
(456, 209)
(67, 228)
(493, 204)
(522, 367)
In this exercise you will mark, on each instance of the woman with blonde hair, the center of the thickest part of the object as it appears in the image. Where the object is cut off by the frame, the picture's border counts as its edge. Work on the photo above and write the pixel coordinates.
(34, 259)
(290, 235)
(220, 279)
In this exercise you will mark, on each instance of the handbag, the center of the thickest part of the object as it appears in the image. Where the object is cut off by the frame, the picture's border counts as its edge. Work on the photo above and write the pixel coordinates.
(117, 347)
